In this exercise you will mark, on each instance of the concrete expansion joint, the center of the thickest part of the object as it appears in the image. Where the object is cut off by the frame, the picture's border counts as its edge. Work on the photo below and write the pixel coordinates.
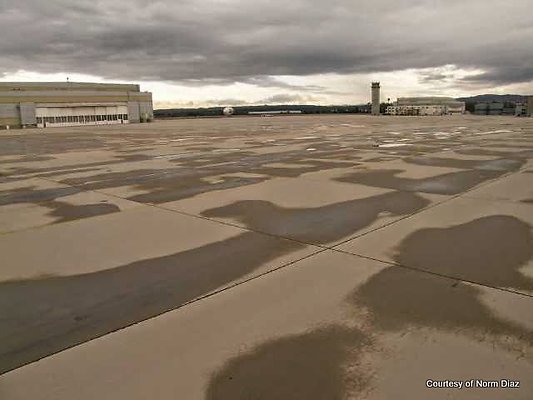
(320, 248)
(427, 272)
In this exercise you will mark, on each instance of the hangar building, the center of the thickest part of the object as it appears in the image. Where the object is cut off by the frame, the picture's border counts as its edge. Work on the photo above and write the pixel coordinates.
(47, 104)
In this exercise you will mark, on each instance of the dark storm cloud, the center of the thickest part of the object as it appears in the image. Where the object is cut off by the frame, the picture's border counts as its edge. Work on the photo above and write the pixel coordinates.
(501, 76)
(224, 41)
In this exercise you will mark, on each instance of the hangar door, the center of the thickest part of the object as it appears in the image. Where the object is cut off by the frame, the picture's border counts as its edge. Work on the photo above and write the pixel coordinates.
(81, 115)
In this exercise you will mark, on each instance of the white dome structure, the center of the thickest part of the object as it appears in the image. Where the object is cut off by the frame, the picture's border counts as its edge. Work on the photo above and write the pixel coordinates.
(228, 111)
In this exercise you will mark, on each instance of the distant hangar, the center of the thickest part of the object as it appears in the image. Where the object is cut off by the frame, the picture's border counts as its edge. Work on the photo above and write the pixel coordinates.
(48, 104)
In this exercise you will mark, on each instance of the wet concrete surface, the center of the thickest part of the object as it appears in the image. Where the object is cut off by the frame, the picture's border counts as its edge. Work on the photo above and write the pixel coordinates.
(69, 212)
(320, 225)
(65, 311)
(300, 367)
(499, 164)
(414, 299)
(490, 250)
(396, 300)
(31, 195)
(447, 184)
(466, 278)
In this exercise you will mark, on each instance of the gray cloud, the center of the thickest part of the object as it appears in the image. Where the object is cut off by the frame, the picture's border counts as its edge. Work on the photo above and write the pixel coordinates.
(433, 76)
(281, 98)
(286, 98)
(225, 102)
(223, 41)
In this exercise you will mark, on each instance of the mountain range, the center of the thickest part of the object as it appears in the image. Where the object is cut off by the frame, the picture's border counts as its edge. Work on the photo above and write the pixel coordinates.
(511, 98)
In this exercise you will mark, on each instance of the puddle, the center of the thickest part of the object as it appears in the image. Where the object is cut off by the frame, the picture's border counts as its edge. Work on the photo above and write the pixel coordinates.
(173, 156)
(70, 212)
(32, 195)
(489, 249)
(447, 184)
(392, 145)
(298, 367)
(496, 131)
(324, 224)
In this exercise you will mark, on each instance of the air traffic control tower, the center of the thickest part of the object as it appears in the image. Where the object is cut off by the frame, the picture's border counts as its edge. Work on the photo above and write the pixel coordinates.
(375, 98)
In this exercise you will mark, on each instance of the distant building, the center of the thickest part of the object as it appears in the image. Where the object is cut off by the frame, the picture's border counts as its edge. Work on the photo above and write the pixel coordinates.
(485, 108)
(426, 106)
(40, 104)
(375, 98)
(274, 112)
(530, 106)
(521, 110)
(499, 108)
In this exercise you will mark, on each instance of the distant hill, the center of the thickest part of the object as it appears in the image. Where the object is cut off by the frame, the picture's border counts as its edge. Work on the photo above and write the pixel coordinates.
(243, 110)
(504, 98)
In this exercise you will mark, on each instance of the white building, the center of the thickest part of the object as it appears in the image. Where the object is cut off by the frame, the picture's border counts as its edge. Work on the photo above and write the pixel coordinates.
(426, 106)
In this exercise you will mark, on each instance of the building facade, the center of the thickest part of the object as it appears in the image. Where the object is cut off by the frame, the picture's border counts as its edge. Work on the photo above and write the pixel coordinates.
(426, 106)
(48, 104)
(496, 108)
(530, 106)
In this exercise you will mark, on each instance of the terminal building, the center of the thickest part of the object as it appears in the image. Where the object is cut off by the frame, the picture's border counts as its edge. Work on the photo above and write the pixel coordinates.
(426, 106)
(48, 104)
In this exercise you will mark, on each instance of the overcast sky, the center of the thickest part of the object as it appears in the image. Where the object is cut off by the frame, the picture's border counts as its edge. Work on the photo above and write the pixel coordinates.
(223, 52)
